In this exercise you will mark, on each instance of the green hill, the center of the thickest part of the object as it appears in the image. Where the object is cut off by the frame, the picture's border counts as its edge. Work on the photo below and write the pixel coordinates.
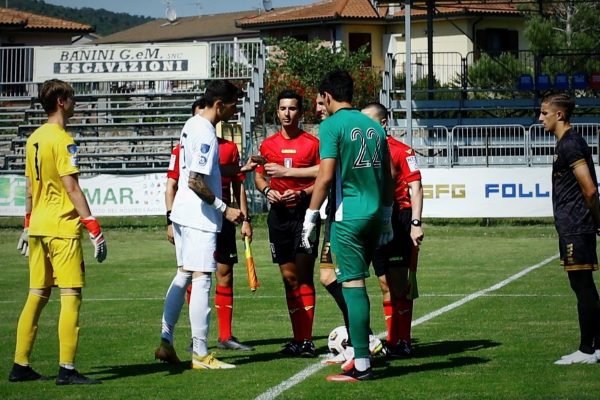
(105, 22)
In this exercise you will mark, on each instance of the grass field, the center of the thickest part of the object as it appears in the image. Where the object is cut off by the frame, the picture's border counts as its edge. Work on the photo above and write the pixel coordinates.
(497, 344)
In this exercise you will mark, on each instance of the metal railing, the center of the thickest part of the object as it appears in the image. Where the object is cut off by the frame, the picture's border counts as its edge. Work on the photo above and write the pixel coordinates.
(228, 60)
(489, 145)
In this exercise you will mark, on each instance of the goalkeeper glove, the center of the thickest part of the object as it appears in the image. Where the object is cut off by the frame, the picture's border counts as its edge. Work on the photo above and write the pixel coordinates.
(96, 236)
(387, 233)
(23, 243)
(309, 233)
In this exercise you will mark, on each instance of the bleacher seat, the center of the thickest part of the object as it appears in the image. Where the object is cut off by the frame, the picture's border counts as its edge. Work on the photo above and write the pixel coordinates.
(561, 81)
(595, 81)
(579, 81)
(525, 82)
(543, 82)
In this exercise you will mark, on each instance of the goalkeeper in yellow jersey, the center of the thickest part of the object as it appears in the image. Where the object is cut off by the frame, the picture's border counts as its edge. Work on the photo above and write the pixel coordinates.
(56, 209)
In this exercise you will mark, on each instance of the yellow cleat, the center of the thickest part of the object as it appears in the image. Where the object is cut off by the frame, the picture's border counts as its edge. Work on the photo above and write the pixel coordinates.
(166, 353)
(209, 361)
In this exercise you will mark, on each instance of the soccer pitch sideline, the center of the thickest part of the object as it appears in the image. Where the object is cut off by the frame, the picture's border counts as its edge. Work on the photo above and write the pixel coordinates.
(495, 312)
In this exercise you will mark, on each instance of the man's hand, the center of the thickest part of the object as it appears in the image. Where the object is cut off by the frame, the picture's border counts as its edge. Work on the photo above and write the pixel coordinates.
(96, 236)
(250, 165)
(416, 234)
(170, 236)
(234, 215)
(387, 232)
(309, 233)
(246, 230)
(275, 170)
(23, 243)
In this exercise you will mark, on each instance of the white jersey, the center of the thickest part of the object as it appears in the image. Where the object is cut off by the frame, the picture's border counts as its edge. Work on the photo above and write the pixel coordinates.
(199, 153)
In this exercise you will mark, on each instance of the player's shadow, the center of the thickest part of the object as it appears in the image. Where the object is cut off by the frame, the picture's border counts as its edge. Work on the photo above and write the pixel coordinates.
(394, 371)
(111, 372)
(447, 347)
(259, 355)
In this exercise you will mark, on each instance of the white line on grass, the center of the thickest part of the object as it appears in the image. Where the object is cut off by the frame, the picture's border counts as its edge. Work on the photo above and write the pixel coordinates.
(275, 391)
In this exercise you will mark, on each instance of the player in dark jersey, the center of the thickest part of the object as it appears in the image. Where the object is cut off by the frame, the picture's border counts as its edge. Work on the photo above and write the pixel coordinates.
(289, 198)
(577, 219)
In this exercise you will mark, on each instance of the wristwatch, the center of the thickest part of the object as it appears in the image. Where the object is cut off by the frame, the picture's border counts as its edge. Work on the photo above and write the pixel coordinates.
(247, 218)
(415, 222)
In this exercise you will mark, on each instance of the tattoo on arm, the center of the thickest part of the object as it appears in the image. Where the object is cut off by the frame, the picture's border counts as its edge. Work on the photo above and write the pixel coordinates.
(198, 186)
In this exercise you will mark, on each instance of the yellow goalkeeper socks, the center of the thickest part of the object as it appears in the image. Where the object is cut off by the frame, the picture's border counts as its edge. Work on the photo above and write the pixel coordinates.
(68, 327)
(27, 327)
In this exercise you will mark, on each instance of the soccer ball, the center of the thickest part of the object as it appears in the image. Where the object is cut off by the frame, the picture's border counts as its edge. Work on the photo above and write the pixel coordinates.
(338, 340)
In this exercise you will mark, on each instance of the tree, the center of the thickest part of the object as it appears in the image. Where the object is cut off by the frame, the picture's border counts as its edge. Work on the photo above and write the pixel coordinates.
(301, 66)
(565, 27)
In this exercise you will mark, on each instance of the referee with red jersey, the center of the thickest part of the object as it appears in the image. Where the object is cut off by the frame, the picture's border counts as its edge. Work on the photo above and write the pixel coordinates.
(289, 198)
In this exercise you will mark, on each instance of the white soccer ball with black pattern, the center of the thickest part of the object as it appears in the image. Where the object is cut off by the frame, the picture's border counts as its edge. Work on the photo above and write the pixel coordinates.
(338, 340)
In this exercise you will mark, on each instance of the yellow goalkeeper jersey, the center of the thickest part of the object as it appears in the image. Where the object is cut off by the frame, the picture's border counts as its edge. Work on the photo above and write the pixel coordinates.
(50, 154)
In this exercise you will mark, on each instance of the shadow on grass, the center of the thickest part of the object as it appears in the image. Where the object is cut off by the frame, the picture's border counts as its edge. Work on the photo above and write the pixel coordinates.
(245, 357)
(395, 371)
(426, 350)
(111, 372)
(436, 349)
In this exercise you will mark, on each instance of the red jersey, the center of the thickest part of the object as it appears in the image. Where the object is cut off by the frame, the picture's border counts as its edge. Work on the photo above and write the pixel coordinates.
(173, 168)
(299, 152)
(407, 170)
(228, 154)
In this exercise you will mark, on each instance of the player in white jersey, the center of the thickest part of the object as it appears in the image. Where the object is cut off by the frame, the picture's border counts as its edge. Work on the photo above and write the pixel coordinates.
(197, 215)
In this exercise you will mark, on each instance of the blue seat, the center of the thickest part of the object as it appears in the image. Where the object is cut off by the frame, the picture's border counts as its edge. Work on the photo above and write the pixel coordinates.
(579, 81)
(525, 82)
(561, 81)
(543, 82)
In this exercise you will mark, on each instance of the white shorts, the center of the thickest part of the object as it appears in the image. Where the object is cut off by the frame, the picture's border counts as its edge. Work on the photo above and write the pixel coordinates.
(195, 249)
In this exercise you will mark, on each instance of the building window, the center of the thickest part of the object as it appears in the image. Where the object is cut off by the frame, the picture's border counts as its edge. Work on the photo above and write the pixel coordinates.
(301, 37)
(497, 41)
(357, 40)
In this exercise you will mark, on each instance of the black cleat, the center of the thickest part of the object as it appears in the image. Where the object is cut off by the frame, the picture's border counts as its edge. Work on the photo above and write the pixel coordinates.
(24, 373)
(291, 349)
(72, 377)
(352, 375)
(403, 349)
(307, 349)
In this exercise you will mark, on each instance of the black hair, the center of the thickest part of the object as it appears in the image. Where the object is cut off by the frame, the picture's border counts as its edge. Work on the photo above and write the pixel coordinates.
(380, 110)
(563, 101)
(339, 85)
(291, 94)
(225, 91)
(199, 103)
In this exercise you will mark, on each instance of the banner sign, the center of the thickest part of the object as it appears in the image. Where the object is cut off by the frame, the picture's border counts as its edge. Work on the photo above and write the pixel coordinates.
(448, 192)
(118, 195)
(487, 192)
(101, 63)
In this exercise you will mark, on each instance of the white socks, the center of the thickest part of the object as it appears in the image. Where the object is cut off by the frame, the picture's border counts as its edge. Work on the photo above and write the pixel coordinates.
(173, 302)
(200, 313)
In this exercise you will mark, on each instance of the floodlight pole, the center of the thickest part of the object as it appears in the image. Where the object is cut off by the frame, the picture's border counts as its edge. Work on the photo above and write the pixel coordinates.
(408, 68)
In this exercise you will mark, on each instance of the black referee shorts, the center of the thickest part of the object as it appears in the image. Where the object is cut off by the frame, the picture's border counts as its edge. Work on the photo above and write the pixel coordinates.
(285, 233)
(226, 247)
(397, 253)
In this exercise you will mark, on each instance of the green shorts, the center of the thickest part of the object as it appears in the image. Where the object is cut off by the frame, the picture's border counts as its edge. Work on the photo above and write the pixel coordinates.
(352, 246)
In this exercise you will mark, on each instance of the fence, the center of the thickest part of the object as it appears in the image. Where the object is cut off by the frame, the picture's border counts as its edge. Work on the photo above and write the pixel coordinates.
(227, 60)
(489, 145)
(479, 75)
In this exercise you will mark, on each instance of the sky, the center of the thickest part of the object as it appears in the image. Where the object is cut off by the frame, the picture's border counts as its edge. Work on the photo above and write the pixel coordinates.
(183, 8)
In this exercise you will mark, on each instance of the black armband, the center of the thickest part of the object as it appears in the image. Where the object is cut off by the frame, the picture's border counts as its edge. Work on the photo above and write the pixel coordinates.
(169, 222)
